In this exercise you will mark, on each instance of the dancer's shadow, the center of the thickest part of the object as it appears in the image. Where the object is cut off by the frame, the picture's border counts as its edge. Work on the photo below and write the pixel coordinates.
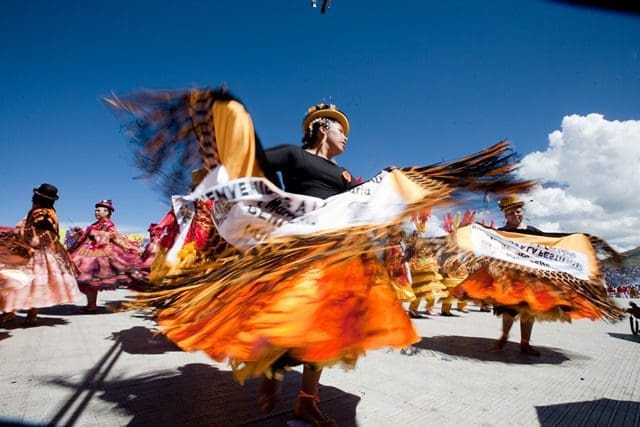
(600, 412)
(141, 340)
(18, 322)
(200, 394)
(626, 337)
(4, 335)
(72, 310)
(480, 349)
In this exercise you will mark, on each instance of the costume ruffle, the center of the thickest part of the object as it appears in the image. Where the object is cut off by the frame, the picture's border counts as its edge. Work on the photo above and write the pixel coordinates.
(324, 314)
(549, 276)
(426, 278)
(454, 274)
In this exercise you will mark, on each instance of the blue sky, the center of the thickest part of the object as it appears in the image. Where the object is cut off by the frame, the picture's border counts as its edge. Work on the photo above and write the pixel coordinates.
(422, 81)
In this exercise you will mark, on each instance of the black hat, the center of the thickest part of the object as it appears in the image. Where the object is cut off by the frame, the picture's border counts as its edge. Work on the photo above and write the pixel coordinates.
(47, 191)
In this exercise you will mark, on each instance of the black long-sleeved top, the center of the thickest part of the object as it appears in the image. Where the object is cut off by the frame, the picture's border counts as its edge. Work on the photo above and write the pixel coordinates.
(308, 174)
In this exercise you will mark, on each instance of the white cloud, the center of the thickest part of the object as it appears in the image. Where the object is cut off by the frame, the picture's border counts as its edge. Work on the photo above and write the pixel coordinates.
(591, 179)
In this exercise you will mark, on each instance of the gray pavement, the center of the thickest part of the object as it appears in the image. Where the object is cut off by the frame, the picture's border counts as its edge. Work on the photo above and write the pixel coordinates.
(110, 369)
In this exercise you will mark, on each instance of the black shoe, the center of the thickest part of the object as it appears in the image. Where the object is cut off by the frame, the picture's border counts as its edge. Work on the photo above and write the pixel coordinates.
(528, 350)
(499, 344)
(415, 315)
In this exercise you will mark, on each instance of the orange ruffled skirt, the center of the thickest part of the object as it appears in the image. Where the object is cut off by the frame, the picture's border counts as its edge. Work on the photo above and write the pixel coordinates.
(537, 298)
(325, 315)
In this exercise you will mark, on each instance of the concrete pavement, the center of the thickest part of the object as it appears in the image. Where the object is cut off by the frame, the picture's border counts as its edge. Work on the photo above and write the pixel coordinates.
(110, 369)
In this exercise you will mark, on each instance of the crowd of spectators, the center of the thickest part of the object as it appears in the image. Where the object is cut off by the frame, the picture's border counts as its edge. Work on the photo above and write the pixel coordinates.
(624, 281)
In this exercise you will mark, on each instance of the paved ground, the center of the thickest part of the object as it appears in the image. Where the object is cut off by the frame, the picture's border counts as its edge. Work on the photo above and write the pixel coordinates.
(110, 369)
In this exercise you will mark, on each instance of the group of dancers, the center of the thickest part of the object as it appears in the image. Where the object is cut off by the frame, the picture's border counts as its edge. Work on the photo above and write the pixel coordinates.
(37, 270)
(272, 258)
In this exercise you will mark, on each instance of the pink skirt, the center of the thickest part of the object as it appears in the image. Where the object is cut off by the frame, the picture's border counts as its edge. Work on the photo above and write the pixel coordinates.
(47, 279)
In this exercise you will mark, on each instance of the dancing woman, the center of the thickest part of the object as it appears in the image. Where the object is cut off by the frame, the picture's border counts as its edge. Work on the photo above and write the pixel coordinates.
(302, 283)
(106, 259)
(35, 269)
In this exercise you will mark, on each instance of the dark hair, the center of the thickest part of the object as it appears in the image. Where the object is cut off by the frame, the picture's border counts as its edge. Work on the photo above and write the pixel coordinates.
(312, 133)
(42, 202)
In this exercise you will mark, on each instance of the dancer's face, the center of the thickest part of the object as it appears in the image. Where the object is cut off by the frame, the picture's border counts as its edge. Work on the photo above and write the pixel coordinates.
(336, 139)
(514, 216)
(101, 212)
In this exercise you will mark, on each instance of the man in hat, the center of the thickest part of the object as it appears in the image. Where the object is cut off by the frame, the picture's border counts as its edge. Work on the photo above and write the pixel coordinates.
(513, 209)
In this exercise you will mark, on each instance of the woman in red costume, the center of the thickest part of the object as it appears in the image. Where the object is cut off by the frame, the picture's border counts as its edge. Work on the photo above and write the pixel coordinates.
(153, 246)
(176, 248)
(35, 269)
(106, 259)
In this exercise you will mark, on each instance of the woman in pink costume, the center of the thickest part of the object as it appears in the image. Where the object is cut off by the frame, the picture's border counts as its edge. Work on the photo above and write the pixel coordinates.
(35, 269)
(106, 259)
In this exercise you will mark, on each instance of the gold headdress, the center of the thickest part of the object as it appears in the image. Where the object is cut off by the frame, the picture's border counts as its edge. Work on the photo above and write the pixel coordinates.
(325, 110)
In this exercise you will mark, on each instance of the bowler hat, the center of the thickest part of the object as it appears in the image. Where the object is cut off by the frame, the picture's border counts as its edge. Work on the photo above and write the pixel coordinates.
(47, 191)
